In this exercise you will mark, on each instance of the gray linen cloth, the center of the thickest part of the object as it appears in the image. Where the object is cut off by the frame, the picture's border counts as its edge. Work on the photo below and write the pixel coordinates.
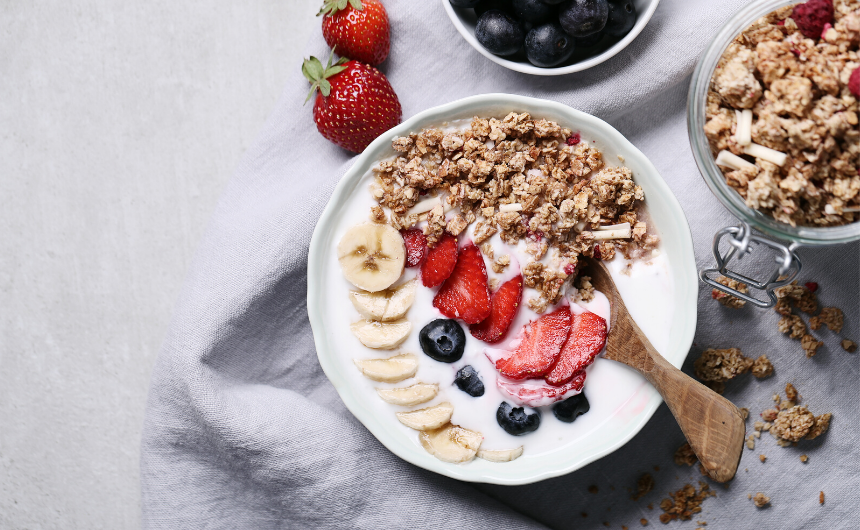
(243, 430)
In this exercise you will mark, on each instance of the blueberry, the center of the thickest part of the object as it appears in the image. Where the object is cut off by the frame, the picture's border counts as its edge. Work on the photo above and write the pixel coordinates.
(548, 45)
(591, 40)
(622, 17)
(443, 340)
(514, 420)
(581, 18)
(469, 381)
(571, 408)
(533, 11)
(464, 3)
(506, 6)
(499, 32)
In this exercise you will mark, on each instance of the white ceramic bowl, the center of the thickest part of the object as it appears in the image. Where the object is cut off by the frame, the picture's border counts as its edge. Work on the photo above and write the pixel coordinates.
(464, 20)
(330, 321)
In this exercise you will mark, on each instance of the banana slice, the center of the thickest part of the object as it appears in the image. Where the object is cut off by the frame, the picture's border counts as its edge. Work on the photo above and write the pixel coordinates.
(410, 395)
(427, 419)
(451, 443)
(381, 335)
(371, 256)
(504, 455)
(390, 370)
(390, 304)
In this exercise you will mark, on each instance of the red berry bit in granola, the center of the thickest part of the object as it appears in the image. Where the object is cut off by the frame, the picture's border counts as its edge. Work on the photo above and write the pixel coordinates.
(781, 99)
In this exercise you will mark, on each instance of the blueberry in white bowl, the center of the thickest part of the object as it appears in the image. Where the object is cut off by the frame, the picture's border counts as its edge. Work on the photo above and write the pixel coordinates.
(506, 6)
(515, 420)
(571, 408)
(621, 17)
(548, 45)
(581, 18)
(469, 381)
(534, 11)
(443, 340)
(499, 32)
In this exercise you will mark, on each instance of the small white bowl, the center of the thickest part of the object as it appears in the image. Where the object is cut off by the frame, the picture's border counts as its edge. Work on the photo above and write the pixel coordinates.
(464, 20)
(334, 342)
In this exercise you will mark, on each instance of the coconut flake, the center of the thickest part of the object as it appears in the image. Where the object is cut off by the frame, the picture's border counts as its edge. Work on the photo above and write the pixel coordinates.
(425, 206)
(602, 235)
(515, 207)
(732, 161)
(743, 133)
(766, 153)
(614, 227)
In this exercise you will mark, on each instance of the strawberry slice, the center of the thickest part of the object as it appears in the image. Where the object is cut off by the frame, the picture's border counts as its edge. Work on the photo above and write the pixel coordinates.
(416, 246)
(505, 304)
(440, 261)
(537, 393)
(464, 294)
(538, 347)
(587, 338)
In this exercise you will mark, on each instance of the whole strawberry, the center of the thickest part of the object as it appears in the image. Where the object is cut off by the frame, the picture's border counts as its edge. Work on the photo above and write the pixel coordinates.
(355, 102)
(358, 28)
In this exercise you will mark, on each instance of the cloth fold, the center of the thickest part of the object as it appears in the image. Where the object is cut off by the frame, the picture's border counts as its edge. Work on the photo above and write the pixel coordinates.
(243, 430)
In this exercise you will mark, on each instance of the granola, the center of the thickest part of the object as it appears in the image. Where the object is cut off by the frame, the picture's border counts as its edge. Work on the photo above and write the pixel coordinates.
(685, 455)
(829, 316)
(721, 365)
(762, 367)
(726, 299)
(849, 345)
(760, 500)
(685, 502)
(520, 178)
(780, 101)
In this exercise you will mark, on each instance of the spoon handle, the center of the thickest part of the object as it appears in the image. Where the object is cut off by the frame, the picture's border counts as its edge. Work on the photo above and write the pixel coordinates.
(712, 424)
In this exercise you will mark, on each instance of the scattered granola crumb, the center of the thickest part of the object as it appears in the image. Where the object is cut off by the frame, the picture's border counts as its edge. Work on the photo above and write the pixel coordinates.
(761, 500)
(849, 345)
(377, 215)
(762, 458)
(643, 522)
(643, 486)
(751, 442)
(501, 263)
(749, 495)
(685, 502)
(592, 489)
(832, 317)
(822, 423)
(726, 299)
(762, 367)
(810, 345)
(820, 497)
(799, 296)
(791, 393)
(685, 455)
(793, 424)
(584, 514)
(623, 527)
(745, 412)
(721, 365)
(804, 458)
(793, 326)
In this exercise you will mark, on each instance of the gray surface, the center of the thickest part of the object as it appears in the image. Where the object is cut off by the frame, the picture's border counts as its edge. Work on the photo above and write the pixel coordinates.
(120, 123)
(244, 431)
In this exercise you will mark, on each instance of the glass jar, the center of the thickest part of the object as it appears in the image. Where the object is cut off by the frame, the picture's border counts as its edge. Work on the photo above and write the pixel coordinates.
(755, 226)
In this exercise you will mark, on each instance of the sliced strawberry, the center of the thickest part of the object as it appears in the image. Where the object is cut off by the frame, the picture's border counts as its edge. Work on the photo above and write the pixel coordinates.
(464, 294)
(505, 304)
(587, 338)
(537, 393)
(440, 261)
(416, 246)
(538, 347)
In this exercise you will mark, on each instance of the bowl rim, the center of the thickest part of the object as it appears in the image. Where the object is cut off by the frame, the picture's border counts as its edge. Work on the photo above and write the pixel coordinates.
(528, 68)
(686, 284)
(696, 119)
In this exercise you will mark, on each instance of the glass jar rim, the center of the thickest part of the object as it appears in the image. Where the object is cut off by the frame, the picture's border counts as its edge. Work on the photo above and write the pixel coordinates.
(696, 107)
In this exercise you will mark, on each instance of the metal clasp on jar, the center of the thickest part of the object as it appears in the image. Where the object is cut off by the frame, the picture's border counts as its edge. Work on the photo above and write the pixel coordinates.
(740, 237)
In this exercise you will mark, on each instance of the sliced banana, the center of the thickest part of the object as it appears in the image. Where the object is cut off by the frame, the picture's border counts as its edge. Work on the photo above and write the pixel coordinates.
(390, 370)
(451, 443)
(372, 256)
(410, 395)
(427, 419)
(387, 305)
(381, 335)
(504, 455)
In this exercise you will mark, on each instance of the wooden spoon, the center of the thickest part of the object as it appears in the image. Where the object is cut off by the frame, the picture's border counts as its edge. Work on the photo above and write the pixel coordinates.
(712, 424)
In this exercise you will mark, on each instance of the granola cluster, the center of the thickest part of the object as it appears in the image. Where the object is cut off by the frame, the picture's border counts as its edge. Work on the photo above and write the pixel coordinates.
(803, 298)
(725, 298)
(789, 422)
(802, 108)
(526, 180)
(685, 502)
